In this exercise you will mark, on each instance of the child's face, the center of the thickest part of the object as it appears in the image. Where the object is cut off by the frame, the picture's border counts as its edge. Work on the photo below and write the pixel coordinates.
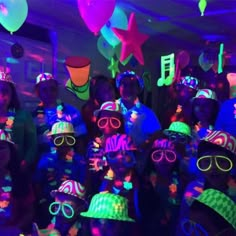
(203, 109)
(215, 167)
(105, 92)
(5, 94)
(104, 227)
(109, 122)
(121, 162)
(48, 91)
(5, 154)
(129, 89)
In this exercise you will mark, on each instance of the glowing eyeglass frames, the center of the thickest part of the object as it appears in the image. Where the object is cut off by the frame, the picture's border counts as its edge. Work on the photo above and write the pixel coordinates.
(114, 122)
(59, 140)
(223, 163)
(159, 155)
(67, 210)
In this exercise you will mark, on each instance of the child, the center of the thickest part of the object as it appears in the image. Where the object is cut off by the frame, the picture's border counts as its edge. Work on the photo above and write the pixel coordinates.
(109, 215)
(60, 165)
(16, 209)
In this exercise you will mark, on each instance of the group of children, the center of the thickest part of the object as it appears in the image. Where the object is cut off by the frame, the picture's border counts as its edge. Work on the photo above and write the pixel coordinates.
(111, 169)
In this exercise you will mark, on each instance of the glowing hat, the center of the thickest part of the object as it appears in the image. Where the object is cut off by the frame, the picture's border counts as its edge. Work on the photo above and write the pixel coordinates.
(62, 127)
(72, 188)
(129, 74)
(119, 142)
(178, 127)
(6, 77)
(108, 106)
(5, 136)
(219, 138)
(108, 206)
(44, 77)
(78, 68)
(231, 77)
(220, 203)
(206, 94)
(190, 82)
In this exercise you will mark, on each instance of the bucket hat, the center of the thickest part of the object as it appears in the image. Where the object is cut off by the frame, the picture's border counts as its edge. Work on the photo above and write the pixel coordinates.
(108, 206)
(62, 127)
(130, 74)
(178, 127)
(220, 203)
(108, 106)
(72, 188)
(6, 77)
(219, 138)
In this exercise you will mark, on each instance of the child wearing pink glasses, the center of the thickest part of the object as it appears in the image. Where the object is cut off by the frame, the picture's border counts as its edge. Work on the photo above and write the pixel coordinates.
(61, 164)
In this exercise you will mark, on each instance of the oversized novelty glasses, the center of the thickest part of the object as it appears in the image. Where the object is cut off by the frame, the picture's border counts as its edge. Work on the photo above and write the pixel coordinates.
(159, 155)
(59, 140)
(114, 122)
(67, 210)
(223, 163)
(190, 227)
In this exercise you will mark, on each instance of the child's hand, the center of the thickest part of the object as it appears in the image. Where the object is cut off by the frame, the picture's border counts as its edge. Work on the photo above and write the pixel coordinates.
(96, 164)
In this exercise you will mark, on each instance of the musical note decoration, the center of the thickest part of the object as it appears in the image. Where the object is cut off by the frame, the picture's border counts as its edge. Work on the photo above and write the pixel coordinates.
(167, 70)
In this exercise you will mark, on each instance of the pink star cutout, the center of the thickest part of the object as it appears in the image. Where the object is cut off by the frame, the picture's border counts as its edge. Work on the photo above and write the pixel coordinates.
(132, 40)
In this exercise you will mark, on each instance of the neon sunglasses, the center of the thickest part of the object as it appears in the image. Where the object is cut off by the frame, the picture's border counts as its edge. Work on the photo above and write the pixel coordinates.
(114, 122)
(67, 210)
(223, 163)
(158, 155)
(190, 227)
(59, 140)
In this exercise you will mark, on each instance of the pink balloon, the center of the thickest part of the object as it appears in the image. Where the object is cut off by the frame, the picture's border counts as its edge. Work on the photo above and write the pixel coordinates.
(96, 13)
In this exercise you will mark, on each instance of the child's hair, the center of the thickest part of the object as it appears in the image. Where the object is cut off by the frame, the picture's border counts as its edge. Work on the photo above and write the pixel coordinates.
(14, 102)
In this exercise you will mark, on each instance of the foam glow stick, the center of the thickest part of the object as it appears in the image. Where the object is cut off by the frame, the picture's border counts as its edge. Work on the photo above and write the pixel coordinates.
(220, 58)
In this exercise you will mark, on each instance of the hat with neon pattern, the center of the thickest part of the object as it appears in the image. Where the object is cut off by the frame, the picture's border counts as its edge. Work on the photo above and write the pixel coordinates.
(108, 206)
(62, 127)
(220, 203)
(205, 94)
(108, 106)
(6, 77)
(70, 187)
(44, 77)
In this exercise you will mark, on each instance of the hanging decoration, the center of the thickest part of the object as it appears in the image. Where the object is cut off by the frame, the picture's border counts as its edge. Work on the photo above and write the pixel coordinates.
(202, 6)
(167, 70)
(95, 13)
(118, 51)
(132, 40)
(205, 63)
(105, 48)
(220, 58)
(13, 14)
(113, 67)
(118, 20)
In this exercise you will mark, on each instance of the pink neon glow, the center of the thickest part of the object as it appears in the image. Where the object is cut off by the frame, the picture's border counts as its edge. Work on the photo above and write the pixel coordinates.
(3, 9)
(159, 155)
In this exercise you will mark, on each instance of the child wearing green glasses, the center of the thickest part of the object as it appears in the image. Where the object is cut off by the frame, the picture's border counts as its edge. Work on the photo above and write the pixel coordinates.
(216, 161)
(61, 164)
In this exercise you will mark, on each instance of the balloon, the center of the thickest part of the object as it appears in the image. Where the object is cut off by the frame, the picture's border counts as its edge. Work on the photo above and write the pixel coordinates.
(95, 13)
(118, 20)
(183, 58)
(118, 51)
(202, 6)
(105, 48)
(13, 14)
(204, 63)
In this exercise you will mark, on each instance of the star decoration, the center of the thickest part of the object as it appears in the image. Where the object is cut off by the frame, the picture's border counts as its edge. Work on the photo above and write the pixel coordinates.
(132, 40)
(113, 67)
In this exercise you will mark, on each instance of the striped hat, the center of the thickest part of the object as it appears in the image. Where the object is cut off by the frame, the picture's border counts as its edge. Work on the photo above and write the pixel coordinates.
(72, 188)
(44, 77)
(108, 106)
(220, 203)
(108, 206)
(62, 127)
(205, 94)
(6, 77)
